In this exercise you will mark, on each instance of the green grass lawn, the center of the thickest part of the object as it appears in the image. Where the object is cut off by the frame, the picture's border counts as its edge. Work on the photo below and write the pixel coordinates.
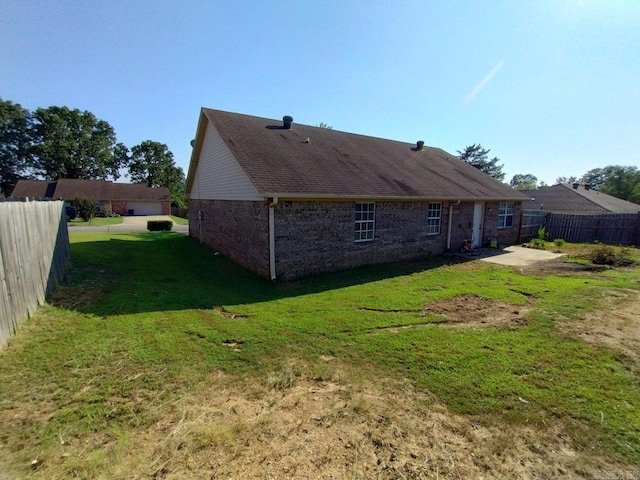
(161, 302)
(95, 221)
(180, 220)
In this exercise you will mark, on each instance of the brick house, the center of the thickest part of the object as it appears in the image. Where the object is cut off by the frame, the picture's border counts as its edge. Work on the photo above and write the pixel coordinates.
(288, 200)
(119, 198)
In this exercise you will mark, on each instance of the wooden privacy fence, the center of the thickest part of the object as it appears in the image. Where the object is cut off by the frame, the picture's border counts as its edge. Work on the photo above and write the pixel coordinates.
(34, 254)
(613, 228)
(531, 222)
(618, 229)
(179, 212)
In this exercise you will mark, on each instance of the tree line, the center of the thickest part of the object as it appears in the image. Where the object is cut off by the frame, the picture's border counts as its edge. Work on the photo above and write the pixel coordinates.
(616, 180)
(59, 142)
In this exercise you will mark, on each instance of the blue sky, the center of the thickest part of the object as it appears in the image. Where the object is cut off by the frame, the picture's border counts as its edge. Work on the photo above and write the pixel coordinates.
(551, 87)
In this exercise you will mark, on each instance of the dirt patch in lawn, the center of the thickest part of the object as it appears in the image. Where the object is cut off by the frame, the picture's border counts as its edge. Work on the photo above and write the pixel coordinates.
(476, 311)
(563, 269)
(90, 291)
(615, 324)
(331, 430)
(322, 429)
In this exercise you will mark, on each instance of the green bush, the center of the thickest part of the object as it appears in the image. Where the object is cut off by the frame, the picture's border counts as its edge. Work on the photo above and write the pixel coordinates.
(538, 243)
(607, 255)
(559, 242)
(159, 225)
(542, 233)
(85, 207)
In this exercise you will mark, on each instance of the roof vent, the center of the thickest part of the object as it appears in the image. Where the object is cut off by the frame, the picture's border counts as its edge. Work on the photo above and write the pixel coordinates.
(576, 185)
(419, 145)
(587, 186)
(287, 120)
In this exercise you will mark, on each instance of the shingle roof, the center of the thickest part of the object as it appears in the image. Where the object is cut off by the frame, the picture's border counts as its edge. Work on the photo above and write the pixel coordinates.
(135, 191)
(70, 188)
(320, 162)
(32, 188)
(565, 198)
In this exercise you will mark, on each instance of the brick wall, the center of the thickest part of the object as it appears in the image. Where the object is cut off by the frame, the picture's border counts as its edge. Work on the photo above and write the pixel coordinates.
(462, 227)
(119, 207)
(505, 236)
(315, 237)
(318, 236)
(238, 229)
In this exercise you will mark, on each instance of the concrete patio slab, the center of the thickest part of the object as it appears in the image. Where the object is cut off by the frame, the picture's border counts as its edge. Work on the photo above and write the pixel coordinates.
(514, 256)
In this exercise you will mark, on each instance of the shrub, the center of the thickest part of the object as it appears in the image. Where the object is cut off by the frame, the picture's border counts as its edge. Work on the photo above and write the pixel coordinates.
(538, 243)
(159, 225)
(85, 207)
(559, 242)
(607, 255)
(542, 233)
(107, 212)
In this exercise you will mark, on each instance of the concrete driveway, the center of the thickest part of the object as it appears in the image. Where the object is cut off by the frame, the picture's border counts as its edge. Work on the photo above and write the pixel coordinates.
(514, 256)
(131, 224)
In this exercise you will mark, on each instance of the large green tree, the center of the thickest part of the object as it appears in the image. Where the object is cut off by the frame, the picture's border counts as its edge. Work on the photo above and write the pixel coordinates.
(15, 145)
(622, 182)
(616, 180)
(594, 177)
(478, 157)
(524, 181)
(152, 163)
(74, 144)
(571, 179)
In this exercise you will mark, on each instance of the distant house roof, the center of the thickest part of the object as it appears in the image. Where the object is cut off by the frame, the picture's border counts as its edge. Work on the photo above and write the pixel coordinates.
(566, 198)
(70, 188)
(33, 188)
(314, 162)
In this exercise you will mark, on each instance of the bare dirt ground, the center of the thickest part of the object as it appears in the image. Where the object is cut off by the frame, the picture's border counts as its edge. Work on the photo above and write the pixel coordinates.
(339, 429)
(314, 429)
(616, 325)
(475, 311)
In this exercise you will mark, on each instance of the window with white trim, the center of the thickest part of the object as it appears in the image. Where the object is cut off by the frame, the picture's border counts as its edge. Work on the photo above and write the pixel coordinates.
(365, 221)
(505, 214)
(434, 214)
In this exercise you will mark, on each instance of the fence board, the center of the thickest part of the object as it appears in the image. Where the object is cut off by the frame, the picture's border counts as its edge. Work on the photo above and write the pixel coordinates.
(6, 319)
(34, 254)
(531, 222)
(617, 229)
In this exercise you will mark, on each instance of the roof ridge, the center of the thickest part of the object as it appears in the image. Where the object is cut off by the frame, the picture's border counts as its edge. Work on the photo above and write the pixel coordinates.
(364, 135)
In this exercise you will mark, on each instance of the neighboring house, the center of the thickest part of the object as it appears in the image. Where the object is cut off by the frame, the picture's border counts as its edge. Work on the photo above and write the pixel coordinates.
(119, 198)
(291, 200)
(576, 198)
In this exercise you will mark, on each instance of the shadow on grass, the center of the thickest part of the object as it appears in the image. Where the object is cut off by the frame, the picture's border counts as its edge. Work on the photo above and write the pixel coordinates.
(159, 271)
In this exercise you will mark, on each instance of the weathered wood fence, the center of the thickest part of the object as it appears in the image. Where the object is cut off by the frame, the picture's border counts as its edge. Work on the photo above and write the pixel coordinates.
(179, 212)
(34, 254)
(612, 228)
(531, 222)
(619, 229)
